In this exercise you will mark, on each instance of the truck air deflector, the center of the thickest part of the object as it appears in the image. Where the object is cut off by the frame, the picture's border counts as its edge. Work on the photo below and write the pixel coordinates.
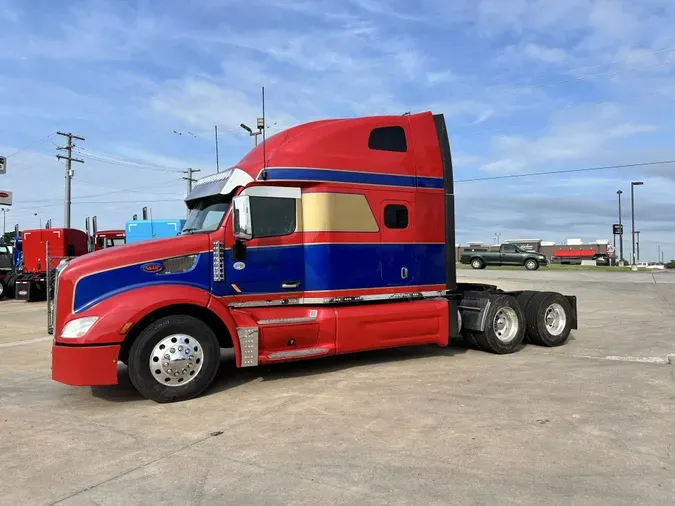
(221, 183)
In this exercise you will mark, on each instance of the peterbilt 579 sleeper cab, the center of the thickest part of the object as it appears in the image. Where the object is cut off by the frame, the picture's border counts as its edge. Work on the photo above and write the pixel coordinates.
(341, 240)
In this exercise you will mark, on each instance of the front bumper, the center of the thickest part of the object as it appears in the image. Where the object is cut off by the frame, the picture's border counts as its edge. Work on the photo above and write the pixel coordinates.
(85, 365)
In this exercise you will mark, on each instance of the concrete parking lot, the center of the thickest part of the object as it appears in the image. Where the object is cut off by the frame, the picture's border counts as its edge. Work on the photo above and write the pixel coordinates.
(587, 423)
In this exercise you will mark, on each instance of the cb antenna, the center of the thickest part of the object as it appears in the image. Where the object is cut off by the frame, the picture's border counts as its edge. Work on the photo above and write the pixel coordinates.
(263, 130)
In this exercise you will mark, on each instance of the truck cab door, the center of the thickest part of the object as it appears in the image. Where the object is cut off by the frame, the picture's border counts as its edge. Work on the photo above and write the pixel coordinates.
(272, 262)
(398, 262)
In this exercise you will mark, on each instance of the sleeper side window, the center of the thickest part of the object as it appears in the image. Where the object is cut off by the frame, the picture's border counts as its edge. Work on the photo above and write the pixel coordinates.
(391, 138)
(396, 216)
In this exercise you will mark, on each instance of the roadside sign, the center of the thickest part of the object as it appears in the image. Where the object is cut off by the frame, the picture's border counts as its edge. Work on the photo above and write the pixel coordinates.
(5, 198)
(617, 229)
(3, 165)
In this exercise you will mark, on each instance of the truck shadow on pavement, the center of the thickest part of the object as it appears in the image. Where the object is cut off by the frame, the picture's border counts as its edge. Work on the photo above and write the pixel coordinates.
(229, 377)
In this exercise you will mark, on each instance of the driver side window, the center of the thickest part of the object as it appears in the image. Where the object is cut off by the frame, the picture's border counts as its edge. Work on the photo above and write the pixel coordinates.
(272, 216)
(509, 248)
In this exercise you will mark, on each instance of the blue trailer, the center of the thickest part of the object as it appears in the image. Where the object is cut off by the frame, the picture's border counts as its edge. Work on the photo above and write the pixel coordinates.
(143, 230)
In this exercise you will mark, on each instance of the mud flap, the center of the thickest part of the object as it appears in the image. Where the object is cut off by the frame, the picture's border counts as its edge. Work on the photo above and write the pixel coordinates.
(473, 307)
(573, 305)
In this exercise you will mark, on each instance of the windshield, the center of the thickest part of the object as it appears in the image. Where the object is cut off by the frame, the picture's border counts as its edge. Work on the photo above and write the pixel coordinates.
(109, 243)
(207, 214)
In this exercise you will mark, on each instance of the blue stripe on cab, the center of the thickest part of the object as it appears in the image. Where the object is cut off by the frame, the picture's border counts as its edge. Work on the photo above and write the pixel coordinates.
(95, 288)
(353, 177)
(345, 266)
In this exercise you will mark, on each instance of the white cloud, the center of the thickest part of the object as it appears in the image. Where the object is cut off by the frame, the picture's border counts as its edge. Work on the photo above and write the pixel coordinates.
(577, 134)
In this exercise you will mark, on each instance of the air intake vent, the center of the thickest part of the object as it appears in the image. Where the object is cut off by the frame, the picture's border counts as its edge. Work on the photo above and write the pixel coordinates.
(178, 264)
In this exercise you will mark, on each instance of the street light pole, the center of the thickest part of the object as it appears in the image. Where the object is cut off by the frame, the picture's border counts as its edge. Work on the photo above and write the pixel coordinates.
(619, 192)
(4, 220)
(637, 233)
(633, 184)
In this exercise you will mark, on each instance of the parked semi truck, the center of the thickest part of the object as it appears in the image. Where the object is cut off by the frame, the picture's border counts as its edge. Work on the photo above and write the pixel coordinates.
(29, 282)
(508, 254)
(341, 240)
(6, 269)
(108, 239)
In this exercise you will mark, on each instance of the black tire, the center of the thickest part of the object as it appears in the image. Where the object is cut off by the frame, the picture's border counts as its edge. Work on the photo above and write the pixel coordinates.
(470, 340)
(524, 298)
(538, 332)
(11, 281)
(3, 290)
(477, 263)
(143, 377)
(531, 264)
(494, 341)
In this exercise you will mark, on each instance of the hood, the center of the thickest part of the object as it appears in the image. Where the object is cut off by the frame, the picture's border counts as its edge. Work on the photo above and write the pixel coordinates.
(136, 253)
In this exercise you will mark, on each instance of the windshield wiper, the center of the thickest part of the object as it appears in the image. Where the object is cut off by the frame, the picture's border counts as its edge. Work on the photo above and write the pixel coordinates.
(189, 230)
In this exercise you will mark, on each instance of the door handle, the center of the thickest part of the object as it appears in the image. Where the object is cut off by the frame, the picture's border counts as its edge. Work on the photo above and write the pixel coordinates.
(290, 284)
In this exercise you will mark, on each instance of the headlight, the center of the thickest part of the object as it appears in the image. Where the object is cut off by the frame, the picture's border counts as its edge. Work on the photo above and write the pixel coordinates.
(78, 328)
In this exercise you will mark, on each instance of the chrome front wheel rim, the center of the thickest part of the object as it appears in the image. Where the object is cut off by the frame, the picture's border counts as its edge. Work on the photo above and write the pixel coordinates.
(176, 360)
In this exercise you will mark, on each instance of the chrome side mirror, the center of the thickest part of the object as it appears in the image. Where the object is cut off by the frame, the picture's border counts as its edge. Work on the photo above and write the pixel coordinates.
(241, 222)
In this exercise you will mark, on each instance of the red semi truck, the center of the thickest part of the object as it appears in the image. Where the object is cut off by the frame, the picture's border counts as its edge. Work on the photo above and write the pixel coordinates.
(31, 283)
(108, 238)
(334, 237)
(64, 243)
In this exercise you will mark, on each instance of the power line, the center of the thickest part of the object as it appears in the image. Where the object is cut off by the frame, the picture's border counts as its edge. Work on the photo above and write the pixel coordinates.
(564, 171)
(112, 191)
(32, 208)
(31, 145)
(116, 160)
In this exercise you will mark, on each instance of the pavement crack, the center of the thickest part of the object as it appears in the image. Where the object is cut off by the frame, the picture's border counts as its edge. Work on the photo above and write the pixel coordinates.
(133, 469)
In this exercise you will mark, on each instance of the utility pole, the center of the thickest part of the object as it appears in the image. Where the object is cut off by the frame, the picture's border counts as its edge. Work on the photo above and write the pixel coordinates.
(217, 160)
(69, 171)
(619, 192)
(632, 213)
(190, 180)
(658, 254)
(4, 220)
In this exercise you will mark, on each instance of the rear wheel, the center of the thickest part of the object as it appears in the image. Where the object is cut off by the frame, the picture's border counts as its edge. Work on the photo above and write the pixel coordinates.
(3, 289)
(549, 319)
(504, 326)
(477, 263)
(531, 264)
(174, 359)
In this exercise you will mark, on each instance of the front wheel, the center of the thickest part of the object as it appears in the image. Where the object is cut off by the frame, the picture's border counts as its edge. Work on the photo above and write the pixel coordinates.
(531, 265)
(174, 359)
(3, 290)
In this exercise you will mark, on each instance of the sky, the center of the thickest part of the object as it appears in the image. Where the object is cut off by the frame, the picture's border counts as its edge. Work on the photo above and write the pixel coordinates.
(525, 85)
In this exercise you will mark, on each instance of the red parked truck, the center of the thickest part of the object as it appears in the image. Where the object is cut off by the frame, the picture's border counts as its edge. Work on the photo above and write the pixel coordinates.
(108, 238)
(31, 283)
(335, 237)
